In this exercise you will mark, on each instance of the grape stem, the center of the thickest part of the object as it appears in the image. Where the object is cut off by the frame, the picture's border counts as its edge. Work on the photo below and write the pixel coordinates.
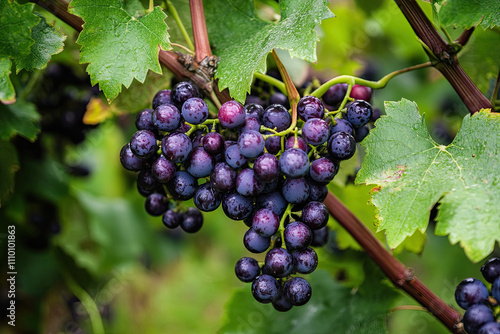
(173, 12)
(399, 275)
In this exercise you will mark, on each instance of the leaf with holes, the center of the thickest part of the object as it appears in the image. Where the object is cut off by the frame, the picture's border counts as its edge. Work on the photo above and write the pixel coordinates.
(117, 44)
(413, 173)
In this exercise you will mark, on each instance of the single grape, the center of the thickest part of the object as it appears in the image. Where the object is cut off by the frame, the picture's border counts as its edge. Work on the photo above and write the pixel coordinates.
(176, 147)
(252, 99)
(294, 163)
(376, 114)
(250, 124)
(233, 157)
(297, 236)
(183, 91)
(156, 204)
(323, 170)
(341, 146)
(279, 98)
(236, 206)
(253, 110)
(495, 289)
(247, 183)
(295, 191)
(166, 117)
(296, 142)
(491, 269)
(195, 110)
(231, 115)
(163, 170)
(266, 167)
(171, 219)
(276, 117)
(162, 97)
(200, 163)
(265, 222)
(274, 201)
(143, 144)
(361, 133)
(315, 215)
(297, 291)
(315, 131)
(335, 94)
(254, 242)
(192, 220)
(213, 142)
(251, 144)
(477, 316)
(273, 144)
(317, 191)
(359, 112)
(359, 92)
(341, 125)
(129, 160)
(223, 177)
(182, 186)
(320, 237)
(279, 262)
(282, 304)
(310, 107)
(247, 269)
(265, 289)
(490, 328)
(469, 292)
(305, 261)
(206, 198)
(144, 120)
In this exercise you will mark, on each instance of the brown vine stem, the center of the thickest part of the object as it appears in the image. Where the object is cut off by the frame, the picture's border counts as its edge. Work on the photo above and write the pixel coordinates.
(400, 276)
(201, 44)
(445, 57)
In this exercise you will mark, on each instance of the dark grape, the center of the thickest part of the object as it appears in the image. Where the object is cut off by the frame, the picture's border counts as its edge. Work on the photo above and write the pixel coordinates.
(223, 177)
(231, 115)
(310, 107)
(315, 131)
(144, 120)
(182, 186)
(296, 142)
(247, 269)
(315, 215)
(234, 158)
(491, 269)
(213, 143)
(359, 92)
(317, 191)
(156, 204)
(206, 198)
(279, 262)
(236, 206)
(320, 237)
(274, 201)
(265, 222)
(294, 163)
(253, 110)
(143, 144)
(490, 328)
(166, 117)
(341, 146)
(250, 124)
(200, 163)
(469, 292)
(192, 220)
(171, 219)
(183, 91)
(247, 183)
(335, 94)
(251, 144)
(477, 316)
(295, 191)
(495, 289)
(282, 304)
(129, 160)
(176, 147)
(276, 117)
(279, 98)
(265, 289)
(341, 125)
(361, 133)
(162, 97)
(323, 170)
(305, 261)
(359, 112)
(266, 167)
(163, 170)
(273, 144)
(254, 242)
(297, 291)
(297, 236)
(195, 110)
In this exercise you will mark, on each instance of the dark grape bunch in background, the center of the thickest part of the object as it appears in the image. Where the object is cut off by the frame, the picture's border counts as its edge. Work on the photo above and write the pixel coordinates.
(481, 315)
(250, 160)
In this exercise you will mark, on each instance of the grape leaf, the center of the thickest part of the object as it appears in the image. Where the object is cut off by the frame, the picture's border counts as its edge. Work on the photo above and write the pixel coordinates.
(9, 164)
(19, 118)
(332, 308)
(242, 40)
(7, 92)
(466, 13)
(117, 45)
(16, 23)
(413, 173)
(47, 43)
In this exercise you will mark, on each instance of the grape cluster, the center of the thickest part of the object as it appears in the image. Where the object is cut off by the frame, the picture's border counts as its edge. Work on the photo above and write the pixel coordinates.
(263, 171)
(473, 296)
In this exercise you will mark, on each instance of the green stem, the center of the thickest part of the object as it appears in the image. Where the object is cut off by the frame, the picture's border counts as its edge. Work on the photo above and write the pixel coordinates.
(211, 121)
(351, 80)
(272, 81)
(87, 302)
(281, 229)
(175, 15)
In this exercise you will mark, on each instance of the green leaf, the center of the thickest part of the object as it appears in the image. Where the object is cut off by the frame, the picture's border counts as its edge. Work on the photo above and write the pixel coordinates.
(332, 308)
(242, 40)
(466, 13)
(9, 164)
(16, 23)
(117, 45)
(20, 118)
(7, 92)
(47, 43)
(414, 172)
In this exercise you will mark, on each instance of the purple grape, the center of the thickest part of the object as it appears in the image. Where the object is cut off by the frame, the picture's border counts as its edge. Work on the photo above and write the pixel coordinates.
(213, 143)
(276, 116)
(231, 115)
(282, 304)
(252, 99)
(163, 170)
(310, 107)
(195, 110)
(341, 146)
(144, 120)
(273, 201)
(359, 92)
(251, 144)
(223, 177)
(361, 133)
(162, 97)
(206, 198)
(265, 222)
(491, 269)
(250, 124)
(247, 269)
(156, 204)
(200, 163)
(315, 131)
(265, 289)
(266, 167)
(490, 328)
(495, 289)
(192, 220)
(146, 183)
(320, 237)
(236, 206)
(317, 191)
(197, 138)
(335, 94)
(247, 183)
(143, 144)
(305, 261)
(273, 144)
(166, 117)
(234, 158)
(376, 114)
(183, 91)
(290, 143)
(295, 191)
(254, 242)
(176, 147)
(294, 163)
(315, 215)
(129, 160)
(341, 125)
(359, 113)
(253, 110)
(279, 262)
(279, 98)
(477, 316)
(297, 291)
(323, 170)
(171, 219)
(297, 236)
(182, 186)
(469, 292)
